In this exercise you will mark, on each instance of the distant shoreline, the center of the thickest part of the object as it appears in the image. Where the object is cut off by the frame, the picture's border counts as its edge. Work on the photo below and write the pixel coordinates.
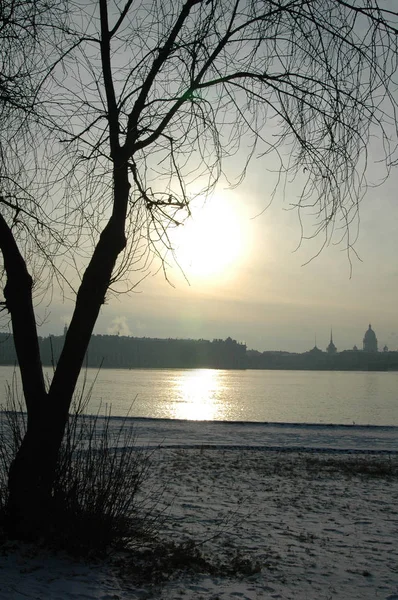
(201, 367)
(123, 352)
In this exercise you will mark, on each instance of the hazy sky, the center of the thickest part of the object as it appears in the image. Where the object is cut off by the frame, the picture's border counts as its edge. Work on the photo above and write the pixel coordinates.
(247, 279)
(246, 276)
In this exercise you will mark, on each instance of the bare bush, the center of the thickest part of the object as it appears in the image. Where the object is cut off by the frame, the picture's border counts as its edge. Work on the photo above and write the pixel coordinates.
(96, 500)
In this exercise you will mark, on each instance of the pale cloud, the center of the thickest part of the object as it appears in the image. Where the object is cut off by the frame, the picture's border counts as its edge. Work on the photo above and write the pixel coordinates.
(119, 326)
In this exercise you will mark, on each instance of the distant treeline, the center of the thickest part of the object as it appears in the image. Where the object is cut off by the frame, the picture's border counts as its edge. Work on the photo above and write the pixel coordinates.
(113, 351)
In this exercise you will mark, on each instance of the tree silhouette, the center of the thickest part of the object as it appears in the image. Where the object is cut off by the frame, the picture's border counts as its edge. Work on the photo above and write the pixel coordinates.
(121, 108)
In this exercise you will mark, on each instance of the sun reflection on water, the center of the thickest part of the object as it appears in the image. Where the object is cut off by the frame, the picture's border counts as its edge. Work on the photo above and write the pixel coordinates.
(196, 396)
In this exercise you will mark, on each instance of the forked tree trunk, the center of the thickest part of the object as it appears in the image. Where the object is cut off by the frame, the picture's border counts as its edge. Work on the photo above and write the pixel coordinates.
(32, 472)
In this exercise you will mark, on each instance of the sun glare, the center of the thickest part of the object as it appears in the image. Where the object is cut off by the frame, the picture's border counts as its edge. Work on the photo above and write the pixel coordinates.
(196, 396)
(212, 241)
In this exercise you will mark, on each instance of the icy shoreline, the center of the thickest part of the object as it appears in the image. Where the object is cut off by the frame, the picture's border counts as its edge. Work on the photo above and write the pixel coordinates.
(270, 436)
(298, 437)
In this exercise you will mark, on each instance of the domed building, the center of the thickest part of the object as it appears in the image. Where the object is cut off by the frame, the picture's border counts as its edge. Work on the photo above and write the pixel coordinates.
(370, 340)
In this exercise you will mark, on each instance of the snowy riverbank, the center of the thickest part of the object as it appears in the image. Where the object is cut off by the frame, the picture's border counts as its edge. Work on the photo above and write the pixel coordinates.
(288, 436)
(286, 525)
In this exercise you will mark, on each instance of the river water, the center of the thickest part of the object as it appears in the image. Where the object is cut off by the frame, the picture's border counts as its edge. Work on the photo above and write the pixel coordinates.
(317, 397)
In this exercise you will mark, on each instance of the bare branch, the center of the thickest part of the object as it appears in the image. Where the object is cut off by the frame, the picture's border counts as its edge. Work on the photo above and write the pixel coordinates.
(108, 80)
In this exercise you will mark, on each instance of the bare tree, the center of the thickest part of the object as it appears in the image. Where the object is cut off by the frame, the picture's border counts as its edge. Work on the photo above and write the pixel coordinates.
(143, 100)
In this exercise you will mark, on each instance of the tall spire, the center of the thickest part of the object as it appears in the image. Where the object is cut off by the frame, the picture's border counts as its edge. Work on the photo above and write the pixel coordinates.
(331, 349)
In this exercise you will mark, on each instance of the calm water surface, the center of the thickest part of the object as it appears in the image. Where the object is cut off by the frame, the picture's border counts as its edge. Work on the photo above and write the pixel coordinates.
(363, 398)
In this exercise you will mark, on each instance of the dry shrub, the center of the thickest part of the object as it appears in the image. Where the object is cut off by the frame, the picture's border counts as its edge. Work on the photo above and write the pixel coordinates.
(97, 500)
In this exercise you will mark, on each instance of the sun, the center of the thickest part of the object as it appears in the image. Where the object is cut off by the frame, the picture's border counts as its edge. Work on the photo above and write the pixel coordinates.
(213, 240)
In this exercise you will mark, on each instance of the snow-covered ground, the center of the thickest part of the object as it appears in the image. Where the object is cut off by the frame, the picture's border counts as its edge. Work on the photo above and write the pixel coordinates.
(275, 522)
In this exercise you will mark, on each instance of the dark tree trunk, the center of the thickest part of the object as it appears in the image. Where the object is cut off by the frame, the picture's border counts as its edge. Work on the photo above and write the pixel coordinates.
(31, 478)
(32, 472)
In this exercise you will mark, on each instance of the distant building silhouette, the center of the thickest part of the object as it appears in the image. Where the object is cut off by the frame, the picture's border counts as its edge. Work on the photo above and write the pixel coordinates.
(315, 350)
(125, 352)
(331, 349)
(370, 340)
